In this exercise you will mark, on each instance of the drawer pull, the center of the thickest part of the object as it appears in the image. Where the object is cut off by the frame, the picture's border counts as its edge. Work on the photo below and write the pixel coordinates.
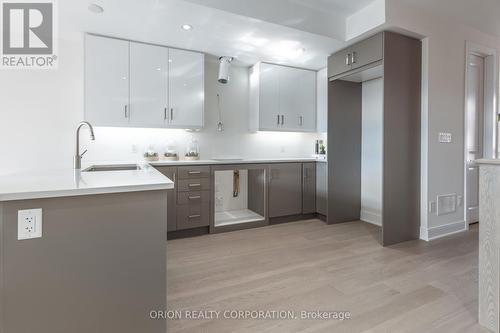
(194, 185)
(194, 216)
(194, 197)
(194, 172)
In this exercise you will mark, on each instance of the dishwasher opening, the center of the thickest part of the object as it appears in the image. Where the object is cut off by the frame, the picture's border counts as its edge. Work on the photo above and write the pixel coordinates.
(239, 196)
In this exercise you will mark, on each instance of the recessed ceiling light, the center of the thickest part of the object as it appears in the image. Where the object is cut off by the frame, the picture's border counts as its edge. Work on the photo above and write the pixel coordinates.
(95, 8)
(187, 27)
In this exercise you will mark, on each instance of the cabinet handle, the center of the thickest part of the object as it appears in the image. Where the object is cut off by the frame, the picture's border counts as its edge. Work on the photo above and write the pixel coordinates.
(194, 197)
(347, 59)
(194, 172)
(194, 185)
(194, 216)
(126, 112)
(353, 58)
(282, 120)
(278, 120)
(301, 120)
(171, 114)
(165, 113)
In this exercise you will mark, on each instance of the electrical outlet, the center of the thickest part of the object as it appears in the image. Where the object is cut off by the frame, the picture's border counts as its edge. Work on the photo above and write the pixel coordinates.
(29, 224)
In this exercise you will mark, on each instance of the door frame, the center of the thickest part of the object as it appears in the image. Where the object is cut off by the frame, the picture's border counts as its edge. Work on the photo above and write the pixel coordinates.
(490, 108)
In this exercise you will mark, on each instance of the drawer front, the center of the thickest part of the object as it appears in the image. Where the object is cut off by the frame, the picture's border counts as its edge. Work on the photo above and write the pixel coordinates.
(195, 184)
(193, 172)
(193, 197)
(192, 216)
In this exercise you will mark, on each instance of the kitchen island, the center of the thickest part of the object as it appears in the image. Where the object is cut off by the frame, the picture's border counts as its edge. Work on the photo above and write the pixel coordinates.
(100, 263)
(489, 244)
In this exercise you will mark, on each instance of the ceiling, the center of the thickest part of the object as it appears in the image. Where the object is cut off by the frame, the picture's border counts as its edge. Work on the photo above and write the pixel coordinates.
(483, 15)
(221, 32)
(324, 17)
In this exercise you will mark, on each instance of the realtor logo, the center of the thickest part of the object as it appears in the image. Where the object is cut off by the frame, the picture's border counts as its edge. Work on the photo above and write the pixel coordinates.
(28, 34)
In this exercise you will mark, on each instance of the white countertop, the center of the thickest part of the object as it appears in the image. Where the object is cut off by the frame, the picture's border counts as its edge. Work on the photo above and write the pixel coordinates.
(237, 161)
(66, 182)
(488, 161)
(63, 183)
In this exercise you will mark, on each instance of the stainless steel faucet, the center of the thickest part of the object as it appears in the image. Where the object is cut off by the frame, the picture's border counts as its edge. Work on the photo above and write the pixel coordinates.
(77, 161)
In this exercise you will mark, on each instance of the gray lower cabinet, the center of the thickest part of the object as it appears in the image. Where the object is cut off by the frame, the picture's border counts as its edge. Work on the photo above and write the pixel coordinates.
(193, 197)
(309, 188)
(285, 189)
(188, 206)
(171, 173)
(321, 188)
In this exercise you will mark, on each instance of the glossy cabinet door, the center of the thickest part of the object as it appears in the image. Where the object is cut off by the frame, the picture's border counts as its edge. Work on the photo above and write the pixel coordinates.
(106, 81)
(306, 105)
(269, 97)
(287, 99)
(186, 87)
(309, 188)
(339, 62)
(367, 51)
(148, 85)
(285, 189)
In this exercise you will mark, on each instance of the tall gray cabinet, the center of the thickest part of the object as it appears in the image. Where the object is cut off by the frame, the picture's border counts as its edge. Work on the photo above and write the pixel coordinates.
(397, 59)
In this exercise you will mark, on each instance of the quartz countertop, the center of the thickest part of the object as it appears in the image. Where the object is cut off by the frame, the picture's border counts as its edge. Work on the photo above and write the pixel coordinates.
(216, 161)
(38, 184)
(68, 182)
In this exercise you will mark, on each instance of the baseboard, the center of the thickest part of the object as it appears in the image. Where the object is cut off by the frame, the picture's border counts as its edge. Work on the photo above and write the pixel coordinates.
(291, 218)
(443, 230)
(370, 217)
(187, 233)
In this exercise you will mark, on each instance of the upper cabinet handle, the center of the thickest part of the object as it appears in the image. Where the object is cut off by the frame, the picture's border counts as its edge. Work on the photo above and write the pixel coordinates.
(165, 113)
(278, 120)
(282, 120)
(353, 57)
(301, 120)
(126, 112)
(171, 114)
(348, 59)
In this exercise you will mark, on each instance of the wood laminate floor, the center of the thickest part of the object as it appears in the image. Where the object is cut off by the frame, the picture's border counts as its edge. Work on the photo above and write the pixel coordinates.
(308, 266)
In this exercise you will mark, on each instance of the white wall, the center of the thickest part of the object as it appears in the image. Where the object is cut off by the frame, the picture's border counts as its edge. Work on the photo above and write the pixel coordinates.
(442, 106)
(224, 200)
(40, 109)
(371, 150)
(38, 112)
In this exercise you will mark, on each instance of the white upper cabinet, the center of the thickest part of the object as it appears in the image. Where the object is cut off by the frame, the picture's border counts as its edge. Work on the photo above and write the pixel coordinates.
(322, 101)
(106, 81)
(186, 75)
(269, 106)
(148, 85)
(282, 98)
(131, 84)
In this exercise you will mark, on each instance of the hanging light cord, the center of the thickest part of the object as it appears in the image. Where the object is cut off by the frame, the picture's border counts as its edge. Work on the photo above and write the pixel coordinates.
(220, 125)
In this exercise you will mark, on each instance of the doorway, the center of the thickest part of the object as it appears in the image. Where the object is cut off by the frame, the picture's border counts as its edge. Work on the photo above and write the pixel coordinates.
(474, 134)
(480, 121)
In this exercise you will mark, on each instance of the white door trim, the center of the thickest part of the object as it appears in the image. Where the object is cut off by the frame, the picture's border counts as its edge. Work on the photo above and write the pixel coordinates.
(490, 106)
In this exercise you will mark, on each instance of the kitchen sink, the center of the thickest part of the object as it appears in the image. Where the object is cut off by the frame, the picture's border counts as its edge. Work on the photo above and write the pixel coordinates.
(116, 167)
